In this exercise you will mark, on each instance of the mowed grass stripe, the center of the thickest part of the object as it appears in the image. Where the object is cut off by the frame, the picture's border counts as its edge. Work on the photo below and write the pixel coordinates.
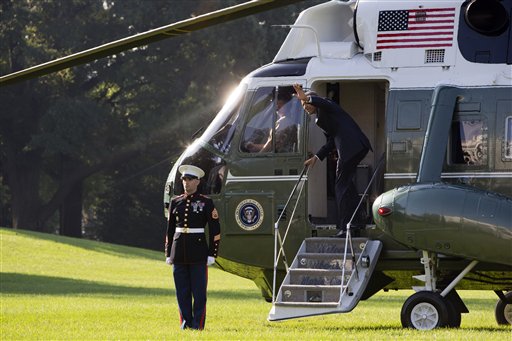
(62, 288)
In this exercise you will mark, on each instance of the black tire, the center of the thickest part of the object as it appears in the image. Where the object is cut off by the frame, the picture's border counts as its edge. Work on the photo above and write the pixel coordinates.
(503, 311)
(425, 310)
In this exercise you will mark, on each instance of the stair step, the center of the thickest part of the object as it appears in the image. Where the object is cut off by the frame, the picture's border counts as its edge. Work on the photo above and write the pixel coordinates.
(332, 245)
(325, 226)
(314, 286)
(323, 261)
(310, 293)
(316, 291)
(307, 304)
(334, 240)
(317, 276)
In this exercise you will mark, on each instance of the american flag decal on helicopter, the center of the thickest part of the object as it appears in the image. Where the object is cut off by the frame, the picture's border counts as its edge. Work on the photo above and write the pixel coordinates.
(416, 28)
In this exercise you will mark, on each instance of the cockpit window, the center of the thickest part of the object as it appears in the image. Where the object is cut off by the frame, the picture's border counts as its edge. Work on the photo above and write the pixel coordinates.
(469, 142)
(274, 122)
(221, 131)
(214, 168)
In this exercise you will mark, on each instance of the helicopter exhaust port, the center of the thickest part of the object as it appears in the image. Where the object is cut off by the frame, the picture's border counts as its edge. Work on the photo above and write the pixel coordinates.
(487, 17)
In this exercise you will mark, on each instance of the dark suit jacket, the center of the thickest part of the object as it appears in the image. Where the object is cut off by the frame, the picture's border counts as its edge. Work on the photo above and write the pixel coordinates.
(342, 131)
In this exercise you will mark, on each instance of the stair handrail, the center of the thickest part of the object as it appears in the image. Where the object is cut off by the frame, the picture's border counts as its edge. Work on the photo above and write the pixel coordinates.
(277, 235)
(348, 240)
(276, 224)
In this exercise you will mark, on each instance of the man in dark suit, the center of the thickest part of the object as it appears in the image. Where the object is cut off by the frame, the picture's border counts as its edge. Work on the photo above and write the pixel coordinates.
(187, 248)
(351, 145)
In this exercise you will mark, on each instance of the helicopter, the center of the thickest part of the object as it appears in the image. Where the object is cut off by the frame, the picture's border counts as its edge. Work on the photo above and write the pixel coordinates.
(430, 85)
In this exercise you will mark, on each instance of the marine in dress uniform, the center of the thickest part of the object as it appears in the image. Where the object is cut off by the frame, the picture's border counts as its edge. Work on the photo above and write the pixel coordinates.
(351, 145)
(188, 249)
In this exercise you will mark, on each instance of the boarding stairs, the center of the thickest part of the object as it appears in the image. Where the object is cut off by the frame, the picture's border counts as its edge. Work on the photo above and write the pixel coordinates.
(324, 278)
(328, 275)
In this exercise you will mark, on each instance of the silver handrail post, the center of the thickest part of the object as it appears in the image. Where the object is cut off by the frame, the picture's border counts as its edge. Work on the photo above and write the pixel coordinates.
(276, 231)
(349, 236)
(277, 236)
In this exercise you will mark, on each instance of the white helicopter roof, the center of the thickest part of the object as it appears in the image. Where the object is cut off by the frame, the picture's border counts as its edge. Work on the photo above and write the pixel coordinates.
(409, 43)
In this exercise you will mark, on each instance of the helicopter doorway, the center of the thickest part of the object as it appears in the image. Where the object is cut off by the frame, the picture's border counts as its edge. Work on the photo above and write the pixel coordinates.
(365, 101)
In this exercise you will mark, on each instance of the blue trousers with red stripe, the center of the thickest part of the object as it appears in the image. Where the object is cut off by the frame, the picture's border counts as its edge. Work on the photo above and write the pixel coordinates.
(190, 281)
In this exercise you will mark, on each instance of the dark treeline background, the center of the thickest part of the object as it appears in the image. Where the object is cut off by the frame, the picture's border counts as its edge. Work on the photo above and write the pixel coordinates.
(85, 152)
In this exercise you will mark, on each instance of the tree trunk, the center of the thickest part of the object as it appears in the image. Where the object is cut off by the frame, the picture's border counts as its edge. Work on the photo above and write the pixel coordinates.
(23, 180)
(71, 212)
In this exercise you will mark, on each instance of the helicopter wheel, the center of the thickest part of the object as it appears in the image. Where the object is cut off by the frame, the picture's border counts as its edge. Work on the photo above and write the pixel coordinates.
(425, 310)
(503, 310)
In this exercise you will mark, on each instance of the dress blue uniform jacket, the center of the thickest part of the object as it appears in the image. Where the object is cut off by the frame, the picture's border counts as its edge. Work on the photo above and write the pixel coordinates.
(341, 129)
(192, 211)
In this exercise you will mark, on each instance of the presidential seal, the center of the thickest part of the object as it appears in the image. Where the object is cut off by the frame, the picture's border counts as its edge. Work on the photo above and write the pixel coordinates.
(249, 214)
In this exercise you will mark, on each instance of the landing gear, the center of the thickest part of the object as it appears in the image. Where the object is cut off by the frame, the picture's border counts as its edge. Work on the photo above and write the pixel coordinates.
(503, 310)
(428, 308)
(424, 310)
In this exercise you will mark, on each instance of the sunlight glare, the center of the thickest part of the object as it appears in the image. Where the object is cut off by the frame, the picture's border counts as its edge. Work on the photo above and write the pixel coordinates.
(231, 95)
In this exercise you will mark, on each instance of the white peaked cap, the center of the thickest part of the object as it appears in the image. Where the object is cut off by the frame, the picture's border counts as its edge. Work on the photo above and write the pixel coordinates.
(189, 170)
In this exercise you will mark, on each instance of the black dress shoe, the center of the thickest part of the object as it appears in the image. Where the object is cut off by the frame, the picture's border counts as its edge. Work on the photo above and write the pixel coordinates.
(340, 234)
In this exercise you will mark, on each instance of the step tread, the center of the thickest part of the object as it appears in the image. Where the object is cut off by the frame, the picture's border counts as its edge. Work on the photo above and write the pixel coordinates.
(334, 240)
(321, 271)
(322, 254)
(311, 286)
(325, 226)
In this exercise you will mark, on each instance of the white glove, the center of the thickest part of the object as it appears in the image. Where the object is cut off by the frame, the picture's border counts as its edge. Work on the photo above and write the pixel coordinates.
(210, 261)
(168, 261)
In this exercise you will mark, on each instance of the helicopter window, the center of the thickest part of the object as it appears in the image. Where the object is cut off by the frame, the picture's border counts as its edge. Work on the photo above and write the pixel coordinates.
(469, 142)
(259, 127)
(213, 167)
(274, 122)
(508, 138)
(220, 133)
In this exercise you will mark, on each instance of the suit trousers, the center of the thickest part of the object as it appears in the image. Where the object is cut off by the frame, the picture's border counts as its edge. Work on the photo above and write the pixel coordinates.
(190, 281)
(346, 193)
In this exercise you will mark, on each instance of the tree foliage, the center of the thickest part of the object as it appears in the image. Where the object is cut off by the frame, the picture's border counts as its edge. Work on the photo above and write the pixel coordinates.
(86, 150)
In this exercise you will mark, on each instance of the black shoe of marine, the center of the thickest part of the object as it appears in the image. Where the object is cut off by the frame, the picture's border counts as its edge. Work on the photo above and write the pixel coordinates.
(340, 234)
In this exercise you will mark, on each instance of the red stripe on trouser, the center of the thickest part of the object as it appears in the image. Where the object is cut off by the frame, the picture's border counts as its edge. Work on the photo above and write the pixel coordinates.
(203, 317)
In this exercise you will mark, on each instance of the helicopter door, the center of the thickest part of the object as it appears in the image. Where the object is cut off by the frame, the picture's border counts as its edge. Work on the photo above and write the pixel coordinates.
(365, 102)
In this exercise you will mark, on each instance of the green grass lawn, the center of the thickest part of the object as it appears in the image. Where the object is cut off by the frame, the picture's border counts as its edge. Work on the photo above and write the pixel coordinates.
(62, 288)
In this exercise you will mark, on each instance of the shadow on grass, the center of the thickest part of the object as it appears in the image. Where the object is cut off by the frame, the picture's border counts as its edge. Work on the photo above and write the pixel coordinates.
(91, 245)
(390, 328)
(399, 300)
(16, 283)
(368, 329)
(24, 284)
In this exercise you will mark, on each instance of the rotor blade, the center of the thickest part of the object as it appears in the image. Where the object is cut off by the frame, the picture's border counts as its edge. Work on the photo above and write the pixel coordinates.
(168, 31)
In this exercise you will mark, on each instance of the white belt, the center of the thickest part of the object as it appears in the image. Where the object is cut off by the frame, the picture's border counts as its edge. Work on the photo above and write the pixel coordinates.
(189, 230)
